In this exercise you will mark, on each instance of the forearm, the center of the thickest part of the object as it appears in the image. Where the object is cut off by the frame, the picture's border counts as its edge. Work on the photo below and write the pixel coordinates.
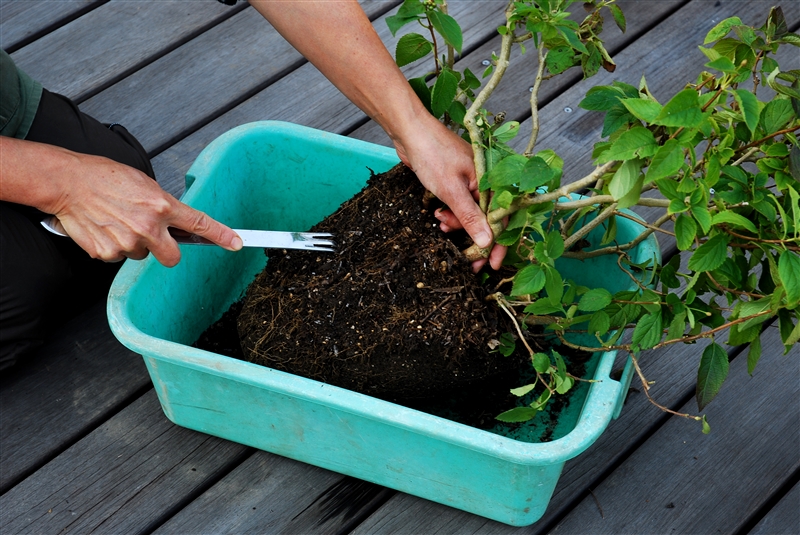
(358, 65)
(35, 174)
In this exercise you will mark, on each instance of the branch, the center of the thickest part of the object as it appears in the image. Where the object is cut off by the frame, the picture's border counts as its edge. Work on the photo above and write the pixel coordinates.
(535, 101)
(563, 191)
(469, 119)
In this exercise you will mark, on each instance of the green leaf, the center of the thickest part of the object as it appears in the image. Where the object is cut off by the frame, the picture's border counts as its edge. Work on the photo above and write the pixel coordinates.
(457, 112)
(711, 374)
(624, 180)
(447, 28)
(648, 330)
(554, 285)
(541, 362)
(710, 255)
(535, 173)
(638, 141)
(734, 219)
(600, 98)
(667, 161)
(554, 244)
(559, 59)
(596, 299)
(753, 355)
(748, 105)
(408, 12)
(616, 118)
(444, 92)
(522, 390)
(706, 427)
(643, 108)
(619, 17)
(528, 280)
(721, 30)
(506, 131)
(573, 40)
(600, 323)
(507, 171)
(685, 231)
(517, 415)
(703, 217)
(420, 87)
(789, 272)
(682, 110)
(776, 114)
(410, 48)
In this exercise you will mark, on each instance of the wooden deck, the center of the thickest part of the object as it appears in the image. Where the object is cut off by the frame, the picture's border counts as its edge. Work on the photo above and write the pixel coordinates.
(84, 445)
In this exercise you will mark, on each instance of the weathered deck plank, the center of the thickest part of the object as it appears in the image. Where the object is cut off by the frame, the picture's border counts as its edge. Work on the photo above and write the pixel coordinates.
(287, 100)
(784, 518)
(112, 41)
(681, 481)
(22, 21)
(181, 91)
(135, 462)
(63, 391)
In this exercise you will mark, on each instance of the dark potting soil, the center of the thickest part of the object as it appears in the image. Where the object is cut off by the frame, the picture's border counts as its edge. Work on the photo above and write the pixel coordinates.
(395, 313)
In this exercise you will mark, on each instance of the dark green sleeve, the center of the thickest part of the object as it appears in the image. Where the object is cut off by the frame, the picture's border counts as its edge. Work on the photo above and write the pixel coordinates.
(19, 99)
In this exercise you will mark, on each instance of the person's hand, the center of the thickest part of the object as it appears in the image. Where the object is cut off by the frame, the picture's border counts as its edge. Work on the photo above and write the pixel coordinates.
(443, 163)
(114, 212)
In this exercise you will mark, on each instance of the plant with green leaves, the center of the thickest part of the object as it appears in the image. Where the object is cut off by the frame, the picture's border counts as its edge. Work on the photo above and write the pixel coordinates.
(716, 168)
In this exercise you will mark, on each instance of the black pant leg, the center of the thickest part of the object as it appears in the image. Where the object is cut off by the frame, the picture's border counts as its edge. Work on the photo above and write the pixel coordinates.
(46, 278)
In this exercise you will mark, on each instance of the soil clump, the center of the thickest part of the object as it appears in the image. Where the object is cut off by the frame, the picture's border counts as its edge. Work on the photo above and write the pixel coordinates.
(395, 313)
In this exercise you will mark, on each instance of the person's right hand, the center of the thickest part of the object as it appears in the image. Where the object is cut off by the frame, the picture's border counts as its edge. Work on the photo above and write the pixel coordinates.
(114, 212)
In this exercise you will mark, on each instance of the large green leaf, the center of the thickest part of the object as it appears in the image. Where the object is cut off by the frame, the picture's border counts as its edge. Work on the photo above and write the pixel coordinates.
(528, 280)
(735, 220)
(711, 254)
(667, 161)
(638, 141)
(447, 28)
(685, 231)
(507, 171)
(721, 29)
(624, 180)
(410, 11)
(642, 108)
(517, 414)
(444, 92)
(410, 48)
(682, 110)
(789, 271)
(595, 299)
(776, 114)
(711, 374)
(601, 98)
(748, 105)
(648, 330)
(535, 173)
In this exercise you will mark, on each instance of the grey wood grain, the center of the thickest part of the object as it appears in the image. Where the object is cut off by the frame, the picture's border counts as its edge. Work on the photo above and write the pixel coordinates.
(112, 41)
(127, 476)
(681, 481)
(183, 90)
(62, 391)
(287, 99)
(783, 518)
(272, 494)
(22, 20)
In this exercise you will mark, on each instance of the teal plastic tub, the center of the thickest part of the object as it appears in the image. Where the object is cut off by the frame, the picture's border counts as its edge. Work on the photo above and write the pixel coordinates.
(280, 176)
